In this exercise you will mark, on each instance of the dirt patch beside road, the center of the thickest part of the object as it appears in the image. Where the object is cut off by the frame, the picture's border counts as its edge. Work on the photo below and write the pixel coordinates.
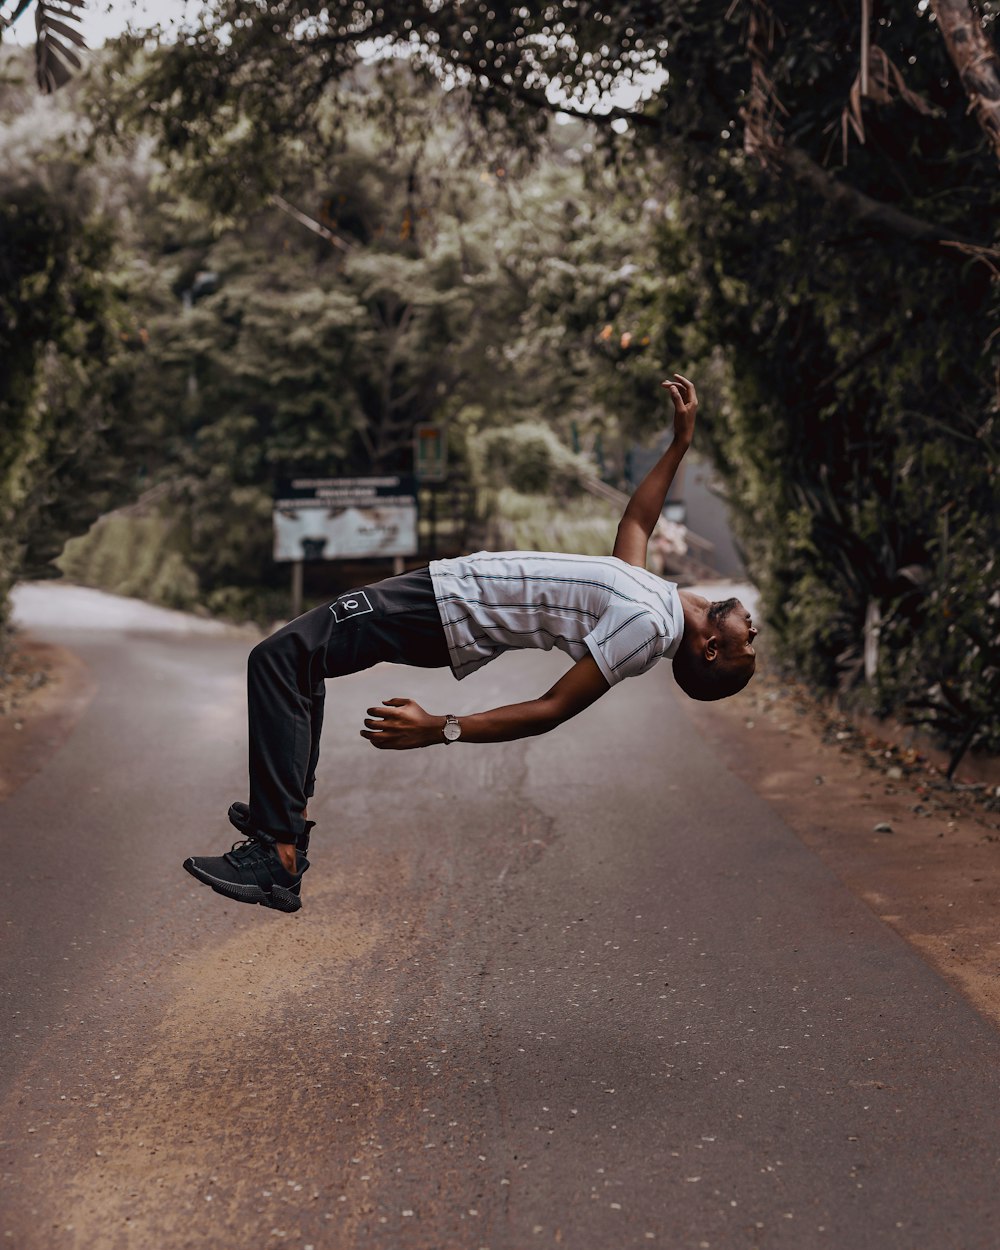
(923, 854)
(44, 690)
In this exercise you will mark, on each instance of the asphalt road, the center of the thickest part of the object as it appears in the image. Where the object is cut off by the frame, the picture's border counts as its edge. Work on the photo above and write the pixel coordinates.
(584, 990)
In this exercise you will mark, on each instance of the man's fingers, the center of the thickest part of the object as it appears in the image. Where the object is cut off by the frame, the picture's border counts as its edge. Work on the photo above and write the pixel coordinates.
(678, 393)
(396, 702)
(688, 385)
(376, 711)
(378, 725)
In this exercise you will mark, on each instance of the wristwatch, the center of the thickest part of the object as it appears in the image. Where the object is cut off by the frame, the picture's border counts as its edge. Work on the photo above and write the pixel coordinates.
(452, 729)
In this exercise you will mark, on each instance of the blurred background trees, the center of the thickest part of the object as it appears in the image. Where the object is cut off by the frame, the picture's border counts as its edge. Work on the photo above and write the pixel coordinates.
(69, 447)
(800, 211)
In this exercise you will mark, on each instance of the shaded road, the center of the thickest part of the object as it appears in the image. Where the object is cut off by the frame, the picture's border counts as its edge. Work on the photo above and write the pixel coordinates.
(583, 990)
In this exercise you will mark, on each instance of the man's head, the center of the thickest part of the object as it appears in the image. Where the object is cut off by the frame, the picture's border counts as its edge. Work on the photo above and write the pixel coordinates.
(716, 657)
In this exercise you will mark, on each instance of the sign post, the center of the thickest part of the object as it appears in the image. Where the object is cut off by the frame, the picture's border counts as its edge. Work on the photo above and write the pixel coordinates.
(296, 588)
(430, 464)
(430, 453)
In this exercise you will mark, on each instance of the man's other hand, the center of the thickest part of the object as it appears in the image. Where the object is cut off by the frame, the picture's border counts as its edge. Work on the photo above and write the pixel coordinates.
(401, 725)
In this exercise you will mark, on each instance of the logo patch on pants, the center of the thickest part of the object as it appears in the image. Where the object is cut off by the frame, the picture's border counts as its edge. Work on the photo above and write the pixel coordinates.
(354, 604)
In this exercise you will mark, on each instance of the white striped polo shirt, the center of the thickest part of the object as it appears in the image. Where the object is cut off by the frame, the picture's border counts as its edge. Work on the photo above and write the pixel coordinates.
(496, 601)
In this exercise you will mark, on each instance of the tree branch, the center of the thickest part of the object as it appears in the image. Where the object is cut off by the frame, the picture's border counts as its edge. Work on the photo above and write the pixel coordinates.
(315, 226)
(870, 211)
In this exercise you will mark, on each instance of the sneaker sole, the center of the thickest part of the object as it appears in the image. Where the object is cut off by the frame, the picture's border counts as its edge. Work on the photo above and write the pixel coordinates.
(279, 899)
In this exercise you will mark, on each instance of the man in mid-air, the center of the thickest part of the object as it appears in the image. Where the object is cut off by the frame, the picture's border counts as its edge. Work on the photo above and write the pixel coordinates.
(608, 613)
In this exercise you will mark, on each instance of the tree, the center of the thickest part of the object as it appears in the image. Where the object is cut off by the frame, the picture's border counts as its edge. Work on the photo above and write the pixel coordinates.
(68, 442)
(976, 60)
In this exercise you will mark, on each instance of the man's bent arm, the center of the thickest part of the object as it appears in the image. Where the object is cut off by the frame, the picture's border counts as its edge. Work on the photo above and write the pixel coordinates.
(644, 508)
(401, 724)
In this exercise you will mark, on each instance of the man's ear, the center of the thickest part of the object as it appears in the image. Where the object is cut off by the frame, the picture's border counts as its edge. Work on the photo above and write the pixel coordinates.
(711, 651)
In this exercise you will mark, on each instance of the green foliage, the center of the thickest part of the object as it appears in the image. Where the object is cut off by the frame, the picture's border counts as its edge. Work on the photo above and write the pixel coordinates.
(525, 521)
(132, 555)
(852, 397)
(67, 439)
(530, 457)
(530, 492)
(951, 639)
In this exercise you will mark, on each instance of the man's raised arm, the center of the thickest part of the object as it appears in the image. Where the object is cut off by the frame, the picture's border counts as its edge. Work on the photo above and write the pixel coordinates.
(644, 508)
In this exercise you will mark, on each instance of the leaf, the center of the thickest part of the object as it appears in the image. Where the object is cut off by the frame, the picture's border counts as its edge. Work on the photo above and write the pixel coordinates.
(55, 60)
(877, 86)
(74, 36)
(9, 21)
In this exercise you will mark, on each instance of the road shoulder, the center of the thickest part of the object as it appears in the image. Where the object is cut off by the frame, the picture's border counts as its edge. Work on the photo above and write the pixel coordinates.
(45, 691)
(922, 854)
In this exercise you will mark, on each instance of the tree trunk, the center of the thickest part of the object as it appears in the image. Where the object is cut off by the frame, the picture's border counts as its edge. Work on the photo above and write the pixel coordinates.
(976, 60)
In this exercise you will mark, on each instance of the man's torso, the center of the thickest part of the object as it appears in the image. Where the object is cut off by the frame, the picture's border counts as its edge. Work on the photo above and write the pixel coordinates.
(496, 601)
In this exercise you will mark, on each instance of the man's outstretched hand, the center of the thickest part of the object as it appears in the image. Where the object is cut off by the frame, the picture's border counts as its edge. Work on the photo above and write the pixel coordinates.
(401, 725)
(685, 399)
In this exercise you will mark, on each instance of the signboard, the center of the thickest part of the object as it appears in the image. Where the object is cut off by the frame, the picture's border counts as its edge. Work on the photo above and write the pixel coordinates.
(327, 518)
(430, 452)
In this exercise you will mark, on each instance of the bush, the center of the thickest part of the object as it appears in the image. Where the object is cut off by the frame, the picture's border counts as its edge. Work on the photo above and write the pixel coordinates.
(523, 522)
(529, 458)
(132, 555)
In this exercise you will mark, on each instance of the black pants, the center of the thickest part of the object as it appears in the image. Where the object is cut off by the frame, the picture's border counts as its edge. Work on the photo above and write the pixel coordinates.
(395, 620)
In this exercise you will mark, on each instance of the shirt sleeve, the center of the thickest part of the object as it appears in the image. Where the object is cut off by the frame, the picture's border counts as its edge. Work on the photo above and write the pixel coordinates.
(626, 641)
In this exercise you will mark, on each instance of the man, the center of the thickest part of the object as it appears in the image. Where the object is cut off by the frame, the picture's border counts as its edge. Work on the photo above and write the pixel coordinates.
(608, 613)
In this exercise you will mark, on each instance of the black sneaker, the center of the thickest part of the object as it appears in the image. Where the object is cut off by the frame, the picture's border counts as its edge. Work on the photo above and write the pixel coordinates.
(252, 872)
(239, 818)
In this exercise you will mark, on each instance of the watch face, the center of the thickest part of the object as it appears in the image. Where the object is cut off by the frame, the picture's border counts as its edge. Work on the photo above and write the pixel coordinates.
(452, 730)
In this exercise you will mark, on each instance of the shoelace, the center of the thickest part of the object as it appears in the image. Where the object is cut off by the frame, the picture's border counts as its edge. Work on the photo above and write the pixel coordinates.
(247, 850)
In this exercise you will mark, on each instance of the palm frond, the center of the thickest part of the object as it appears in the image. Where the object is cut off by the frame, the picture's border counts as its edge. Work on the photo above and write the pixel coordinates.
(19, 7)
(55, 55)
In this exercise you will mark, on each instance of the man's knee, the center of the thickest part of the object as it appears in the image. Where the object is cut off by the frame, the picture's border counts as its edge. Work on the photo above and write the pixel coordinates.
(274, 654)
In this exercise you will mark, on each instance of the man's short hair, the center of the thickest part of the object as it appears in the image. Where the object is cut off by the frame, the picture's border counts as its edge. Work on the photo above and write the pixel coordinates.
(706, 681)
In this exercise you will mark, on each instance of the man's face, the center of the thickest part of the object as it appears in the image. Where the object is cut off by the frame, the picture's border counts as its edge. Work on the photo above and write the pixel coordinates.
(733, 627)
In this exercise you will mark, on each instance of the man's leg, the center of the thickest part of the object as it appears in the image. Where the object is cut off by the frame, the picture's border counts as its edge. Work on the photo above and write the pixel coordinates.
(284, 697)
(239, 812)
(283, 710)
(396, 621)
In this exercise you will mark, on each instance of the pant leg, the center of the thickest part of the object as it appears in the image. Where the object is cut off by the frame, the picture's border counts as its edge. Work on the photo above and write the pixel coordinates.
(395, 620)
(282, 681)
(315, 730)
